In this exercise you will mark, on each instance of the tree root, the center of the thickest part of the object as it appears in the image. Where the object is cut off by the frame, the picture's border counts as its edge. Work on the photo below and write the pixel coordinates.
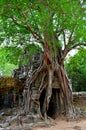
(32, 126)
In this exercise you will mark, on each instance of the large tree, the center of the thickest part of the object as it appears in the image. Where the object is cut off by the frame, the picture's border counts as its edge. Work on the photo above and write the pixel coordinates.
(58, 26)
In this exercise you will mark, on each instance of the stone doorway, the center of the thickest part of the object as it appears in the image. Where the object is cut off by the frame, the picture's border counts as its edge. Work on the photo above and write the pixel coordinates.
(54, 105)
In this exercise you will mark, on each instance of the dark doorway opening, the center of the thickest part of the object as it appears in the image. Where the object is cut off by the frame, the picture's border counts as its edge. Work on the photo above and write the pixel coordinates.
(54, 105)
(41, 100)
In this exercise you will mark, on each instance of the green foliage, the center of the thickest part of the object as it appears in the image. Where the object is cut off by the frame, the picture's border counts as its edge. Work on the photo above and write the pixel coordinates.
(46, 18)
(11, 57)
(9, 54)
(8, 60)
(76, 68)
(7, 68)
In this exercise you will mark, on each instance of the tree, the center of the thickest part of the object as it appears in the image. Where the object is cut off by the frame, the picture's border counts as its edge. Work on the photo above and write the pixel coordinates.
(8, 60)
(76, 68)
(58, 26)
(12, 56)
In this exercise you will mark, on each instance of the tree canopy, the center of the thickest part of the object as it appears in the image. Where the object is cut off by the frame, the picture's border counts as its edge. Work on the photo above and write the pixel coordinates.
(60, 23)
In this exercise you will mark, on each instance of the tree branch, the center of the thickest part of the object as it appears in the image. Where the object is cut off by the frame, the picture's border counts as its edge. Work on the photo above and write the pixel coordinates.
(70, 37)
(70, 40)
(67, 50)
(76, 45)
(58, 32)
(64, 38)
(14, 20)
(28, 27)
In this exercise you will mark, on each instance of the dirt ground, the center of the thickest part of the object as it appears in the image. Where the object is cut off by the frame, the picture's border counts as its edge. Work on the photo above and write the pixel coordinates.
(66, 125)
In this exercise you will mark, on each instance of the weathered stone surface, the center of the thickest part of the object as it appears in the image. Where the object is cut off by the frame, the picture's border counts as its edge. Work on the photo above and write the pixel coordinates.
(8, 83)
(10, 89)
(79, 98)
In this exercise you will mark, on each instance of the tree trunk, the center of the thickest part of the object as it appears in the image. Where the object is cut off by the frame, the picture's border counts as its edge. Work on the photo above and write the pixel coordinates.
(47, 91)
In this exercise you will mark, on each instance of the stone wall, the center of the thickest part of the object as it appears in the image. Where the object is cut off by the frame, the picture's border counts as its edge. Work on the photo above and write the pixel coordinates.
(10, 91)
(79, 98)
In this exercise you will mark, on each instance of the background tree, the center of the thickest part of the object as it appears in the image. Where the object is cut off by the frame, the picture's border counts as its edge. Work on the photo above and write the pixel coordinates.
(76, 68)
(11, 57)
(7, 64)
(58, 26)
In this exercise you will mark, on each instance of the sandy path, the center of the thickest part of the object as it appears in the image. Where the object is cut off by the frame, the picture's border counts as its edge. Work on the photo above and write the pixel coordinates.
(64, 125)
